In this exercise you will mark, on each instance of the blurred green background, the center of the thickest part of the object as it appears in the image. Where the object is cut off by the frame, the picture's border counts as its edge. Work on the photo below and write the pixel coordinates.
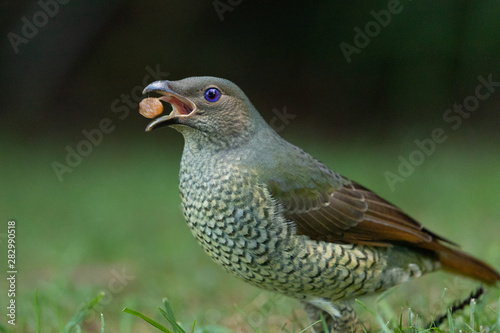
(111, 219)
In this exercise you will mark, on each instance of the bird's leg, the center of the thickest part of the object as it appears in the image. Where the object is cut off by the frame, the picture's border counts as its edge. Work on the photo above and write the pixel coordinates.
(343, 320)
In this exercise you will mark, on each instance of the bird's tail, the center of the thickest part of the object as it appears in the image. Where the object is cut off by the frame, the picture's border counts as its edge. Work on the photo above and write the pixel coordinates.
(459, 262)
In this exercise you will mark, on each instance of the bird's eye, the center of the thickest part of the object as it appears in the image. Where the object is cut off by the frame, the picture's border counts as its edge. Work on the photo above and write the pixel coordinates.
(212, 95)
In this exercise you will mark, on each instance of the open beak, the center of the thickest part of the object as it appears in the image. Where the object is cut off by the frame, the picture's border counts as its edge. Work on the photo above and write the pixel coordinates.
(181, 106)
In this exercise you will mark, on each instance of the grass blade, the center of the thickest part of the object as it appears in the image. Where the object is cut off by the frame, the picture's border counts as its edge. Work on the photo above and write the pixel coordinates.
(148, 320)
(498, 314)
(308, 327)
(36, 306)
(171, 320)
(450, 322)
(168, 313)
(323, 322)
(80, 315)
(379, 318)
(472, 314)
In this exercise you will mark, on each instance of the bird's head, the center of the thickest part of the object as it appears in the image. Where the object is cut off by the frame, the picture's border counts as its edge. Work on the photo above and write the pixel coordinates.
(211, 107)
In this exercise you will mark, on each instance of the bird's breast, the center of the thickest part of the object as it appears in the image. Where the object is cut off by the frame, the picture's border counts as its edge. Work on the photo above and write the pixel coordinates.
(231, 215)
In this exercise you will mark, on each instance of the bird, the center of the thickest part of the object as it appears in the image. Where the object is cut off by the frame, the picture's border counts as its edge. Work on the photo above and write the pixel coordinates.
(274, 216)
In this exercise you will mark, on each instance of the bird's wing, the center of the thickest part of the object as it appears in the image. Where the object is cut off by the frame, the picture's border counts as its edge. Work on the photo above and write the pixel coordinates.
(348, 213)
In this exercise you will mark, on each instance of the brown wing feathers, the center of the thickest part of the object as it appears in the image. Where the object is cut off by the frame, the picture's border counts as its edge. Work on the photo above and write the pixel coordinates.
(354, 214)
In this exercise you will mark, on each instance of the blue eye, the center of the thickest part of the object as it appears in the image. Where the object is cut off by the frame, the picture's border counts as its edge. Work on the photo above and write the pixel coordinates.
(212, 95)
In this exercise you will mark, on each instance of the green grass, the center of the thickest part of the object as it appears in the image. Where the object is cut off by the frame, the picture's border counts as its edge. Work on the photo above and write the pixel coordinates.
(114, 225)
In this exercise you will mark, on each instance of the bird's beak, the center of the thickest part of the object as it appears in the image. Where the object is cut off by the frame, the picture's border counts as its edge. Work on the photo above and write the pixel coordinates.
(181, 106)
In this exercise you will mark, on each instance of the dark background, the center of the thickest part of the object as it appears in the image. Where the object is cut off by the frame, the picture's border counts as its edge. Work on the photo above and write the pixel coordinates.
(280, 53)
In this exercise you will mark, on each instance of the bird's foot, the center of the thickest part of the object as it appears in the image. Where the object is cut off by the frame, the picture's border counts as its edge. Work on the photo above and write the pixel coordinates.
(339, 317)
